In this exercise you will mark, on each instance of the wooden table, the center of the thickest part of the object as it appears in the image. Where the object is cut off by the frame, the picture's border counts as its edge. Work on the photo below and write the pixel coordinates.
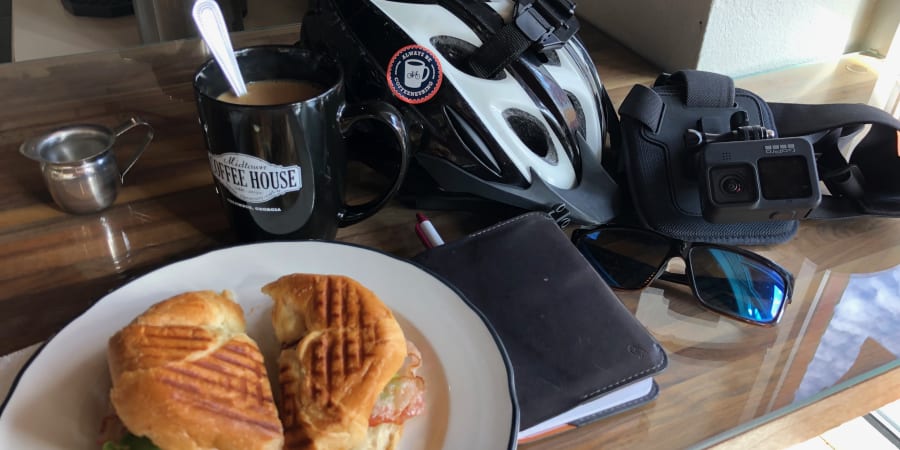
(724, 378)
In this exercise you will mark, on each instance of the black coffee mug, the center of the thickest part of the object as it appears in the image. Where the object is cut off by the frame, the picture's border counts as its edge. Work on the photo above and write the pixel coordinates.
(280, 169)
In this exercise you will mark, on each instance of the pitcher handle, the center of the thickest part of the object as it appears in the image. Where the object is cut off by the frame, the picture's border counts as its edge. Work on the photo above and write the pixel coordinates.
(133, 122)
(390, 116)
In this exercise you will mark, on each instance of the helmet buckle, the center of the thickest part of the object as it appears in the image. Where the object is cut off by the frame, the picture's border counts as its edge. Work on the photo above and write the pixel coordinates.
(546, 23)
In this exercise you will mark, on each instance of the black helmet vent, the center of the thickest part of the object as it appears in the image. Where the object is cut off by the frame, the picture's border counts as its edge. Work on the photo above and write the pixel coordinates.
(553, 59)
(456, 52)
(579, 113)
(532, 133)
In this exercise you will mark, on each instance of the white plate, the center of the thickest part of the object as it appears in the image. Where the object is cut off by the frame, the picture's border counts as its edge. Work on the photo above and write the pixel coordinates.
(62, 395)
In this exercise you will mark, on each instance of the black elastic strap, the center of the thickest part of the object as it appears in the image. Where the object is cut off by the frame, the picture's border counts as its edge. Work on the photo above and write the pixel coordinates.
(542, 24)
(705, 89)
(795, 119)
(836, 208)
(855, 185)
(499, 51)
(848, 181)
(615, 162)
(644, 105)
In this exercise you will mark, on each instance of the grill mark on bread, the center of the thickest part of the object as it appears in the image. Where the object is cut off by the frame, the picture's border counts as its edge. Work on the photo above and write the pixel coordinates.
(294, 434)
(320, 352)
(188, 363)
(324, 295)
(244, 349)
(287, 399)
(235, 362)
(337, 368)
(319, 394)
(165, 346)
(327, 343)
(183, 332)
(327, 378)
(186, 339)
(246, 361)
(235, 416)
(368, 336)
(249, 381)
(180, 385)
(336, 365)
(235, 382)
(355, 340)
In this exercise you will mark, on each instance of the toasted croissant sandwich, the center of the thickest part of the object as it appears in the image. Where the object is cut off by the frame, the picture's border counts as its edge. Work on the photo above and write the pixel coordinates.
(347, 376)
(186, 376)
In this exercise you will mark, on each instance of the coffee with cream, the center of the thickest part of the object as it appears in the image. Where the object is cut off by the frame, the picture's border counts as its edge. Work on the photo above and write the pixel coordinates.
(274, 92)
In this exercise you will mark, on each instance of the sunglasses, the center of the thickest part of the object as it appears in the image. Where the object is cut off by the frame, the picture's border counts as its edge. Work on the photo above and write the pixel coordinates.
(728, 280)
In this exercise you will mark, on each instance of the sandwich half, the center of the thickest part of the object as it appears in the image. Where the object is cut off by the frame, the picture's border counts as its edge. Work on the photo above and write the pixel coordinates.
(347, 376)
(185, 375)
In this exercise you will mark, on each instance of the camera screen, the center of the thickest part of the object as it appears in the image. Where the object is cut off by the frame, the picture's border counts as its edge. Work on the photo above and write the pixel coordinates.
(784, 177)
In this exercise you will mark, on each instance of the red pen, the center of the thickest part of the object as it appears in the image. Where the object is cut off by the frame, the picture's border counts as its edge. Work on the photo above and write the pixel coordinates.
(427, 233)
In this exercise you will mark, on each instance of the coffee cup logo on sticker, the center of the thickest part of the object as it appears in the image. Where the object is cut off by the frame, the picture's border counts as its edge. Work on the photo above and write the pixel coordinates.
(414, 74)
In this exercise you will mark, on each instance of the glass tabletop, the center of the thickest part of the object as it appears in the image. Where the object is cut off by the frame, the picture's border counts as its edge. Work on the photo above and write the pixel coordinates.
(839, 330)
(726, 377)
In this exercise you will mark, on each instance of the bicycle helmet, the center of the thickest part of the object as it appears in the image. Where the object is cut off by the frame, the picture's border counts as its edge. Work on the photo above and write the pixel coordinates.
(501, 99)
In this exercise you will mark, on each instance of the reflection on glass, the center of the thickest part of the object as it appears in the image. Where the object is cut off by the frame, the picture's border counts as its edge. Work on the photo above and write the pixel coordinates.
(117, 243)
(869, 309)
(115, 246)
(625, 260)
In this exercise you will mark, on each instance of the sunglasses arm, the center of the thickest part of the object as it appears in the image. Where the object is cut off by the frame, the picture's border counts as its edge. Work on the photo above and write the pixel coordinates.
(679, 278)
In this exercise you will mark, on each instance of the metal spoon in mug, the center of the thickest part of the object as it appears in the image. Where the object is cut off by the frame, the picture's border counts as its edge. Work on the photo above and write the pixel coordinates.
(209, 20)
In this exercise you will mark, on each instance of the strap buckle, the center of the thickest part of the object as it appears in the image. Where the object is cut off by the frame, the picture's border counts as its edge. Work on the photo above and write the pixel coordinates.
(560, 214)
(546, 23)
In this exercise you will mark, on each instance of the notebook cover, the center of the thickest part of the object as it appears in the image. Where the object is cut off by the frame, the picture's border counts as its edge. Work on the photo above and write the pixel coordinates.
(568, 336)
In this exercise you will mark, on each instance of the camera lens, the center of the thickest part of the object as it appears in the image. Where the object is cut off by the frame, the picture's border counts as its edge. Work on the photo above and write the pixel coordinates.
(732, 185)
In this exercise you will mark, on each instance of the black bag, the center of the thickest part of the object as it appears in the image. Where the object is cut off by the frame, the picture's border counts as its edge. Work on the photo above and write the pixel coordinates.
(662, 174)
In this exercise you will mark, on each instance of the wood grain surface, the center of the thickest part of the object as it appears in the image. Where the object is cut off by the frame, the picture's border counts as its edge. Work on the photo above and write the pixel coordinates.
(723, 376)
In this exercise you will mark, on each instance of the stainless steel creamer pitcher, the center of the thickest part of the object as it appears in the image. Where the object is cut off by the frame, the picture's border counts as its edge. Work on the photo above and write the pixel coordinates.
(79, 166)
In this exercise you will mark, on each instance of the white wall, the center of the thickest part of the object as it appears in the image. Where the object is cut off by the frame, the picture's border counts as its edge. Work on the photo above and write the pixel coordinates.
(882, 36)
(735, 37)
(669, 33)
(745, 37)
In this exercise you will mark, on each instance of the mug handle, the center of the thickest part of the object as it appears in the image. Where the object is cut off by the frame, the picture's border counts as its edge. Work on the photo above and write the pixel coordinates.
(387, 114)
(132, 122)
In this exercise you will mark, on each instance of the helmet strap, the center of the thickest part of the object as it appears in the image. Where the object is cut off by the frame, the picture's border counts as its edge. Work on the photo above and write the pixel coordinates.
(542, 25)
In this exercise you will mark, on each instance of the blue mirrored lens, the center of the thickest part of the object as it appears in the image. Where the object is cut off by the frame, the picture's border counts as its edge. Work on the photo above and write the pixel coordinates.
(626, 259)
(736, 284)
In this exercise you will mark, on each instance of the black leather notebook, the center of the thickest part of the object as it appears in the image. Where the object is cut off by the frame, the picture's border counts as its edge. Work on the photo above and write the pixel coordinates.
(577, 353)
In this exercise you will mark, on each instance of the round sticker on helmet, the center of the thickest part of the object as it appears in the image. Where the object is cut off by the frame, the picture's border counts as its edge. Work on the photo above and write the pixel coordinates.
(414, 74)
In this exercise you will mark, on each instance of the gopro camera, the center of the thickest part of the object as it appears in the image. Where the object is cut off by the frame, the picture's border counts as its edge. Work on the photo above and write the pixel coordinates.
(758, 180)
